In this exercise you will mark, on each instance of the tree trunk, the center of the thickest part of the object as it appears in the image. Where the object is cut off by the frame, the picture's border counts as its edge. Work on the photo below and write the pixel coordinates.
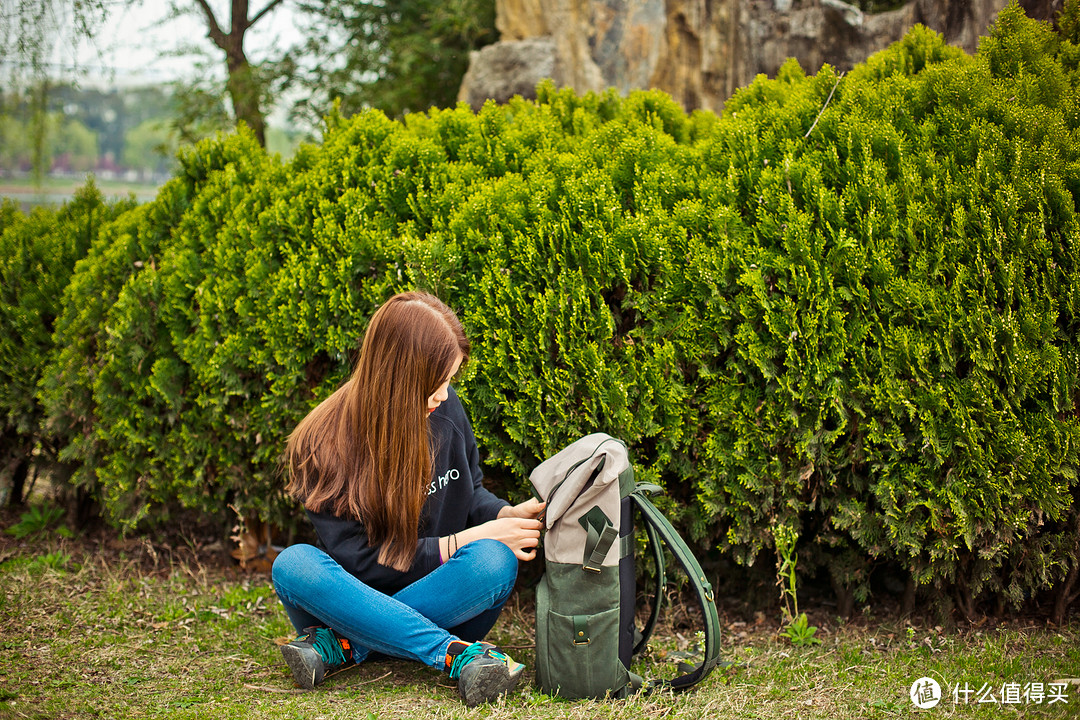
(244, 93)
(1064, 597)
(964, 600)
(18, 482)
(242, 86)
(845, 598)
(907, 606)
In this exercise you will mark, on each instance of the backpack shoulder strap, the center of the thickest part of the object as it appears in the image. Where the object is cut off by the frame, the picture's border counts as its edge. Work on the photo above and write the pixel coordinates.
(656, 545)
(658, 526)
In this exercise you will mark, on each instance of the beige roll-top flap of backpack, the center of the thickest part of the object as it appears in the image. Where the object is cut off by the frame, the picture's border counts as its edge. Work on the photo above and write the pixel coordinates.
(573, 483)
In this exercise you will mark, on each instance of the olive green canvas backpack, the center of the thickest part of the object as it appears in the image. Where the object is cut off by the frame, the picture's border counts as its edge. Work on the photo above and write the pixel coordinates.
(586, 630)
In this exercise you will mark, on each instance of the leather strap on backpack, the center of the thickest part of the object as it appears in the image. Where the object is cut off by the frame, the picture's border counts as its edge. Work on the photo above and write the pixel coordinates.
(601, 536)
(661, 533)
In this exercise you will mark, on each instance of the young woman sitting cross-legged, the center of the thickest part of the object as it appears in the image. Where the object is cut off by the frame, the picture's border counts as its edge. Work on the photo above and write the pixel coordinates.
(417, 558)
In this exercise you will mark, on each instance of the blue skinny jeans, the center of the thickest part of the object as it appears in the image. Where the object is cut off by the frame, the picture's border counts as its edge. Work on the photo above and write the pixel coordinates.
(461, 599)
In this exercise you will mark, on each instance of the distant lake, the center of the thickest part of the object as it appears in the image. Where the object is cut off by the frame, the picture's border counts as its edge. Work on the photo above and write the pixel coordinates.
(29, 197)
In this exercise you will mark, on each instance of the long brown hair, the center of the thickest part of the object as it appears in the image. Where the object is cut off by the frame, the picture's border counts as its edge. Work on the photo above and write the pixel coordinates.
(364, 452)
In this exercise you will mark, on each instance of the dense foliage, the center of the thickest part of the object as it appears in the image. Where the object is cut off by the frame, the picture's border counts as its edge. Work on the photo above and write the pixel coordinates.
(38, 253)
(848, 307)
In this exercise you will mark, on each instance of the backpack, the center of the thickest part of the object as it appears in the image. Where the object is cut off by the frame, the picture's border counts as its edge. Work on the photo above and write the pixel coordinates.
(586, 634)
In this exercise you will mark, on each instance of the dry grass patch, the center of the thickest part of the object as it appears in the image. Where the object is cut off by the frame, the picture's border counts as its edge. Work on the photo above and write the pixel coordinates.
(101, 632)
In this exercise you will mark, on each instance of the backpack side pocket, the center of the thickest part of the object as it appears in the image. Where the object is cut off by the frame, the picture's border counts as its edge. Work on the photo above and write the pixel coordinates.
(577, 637)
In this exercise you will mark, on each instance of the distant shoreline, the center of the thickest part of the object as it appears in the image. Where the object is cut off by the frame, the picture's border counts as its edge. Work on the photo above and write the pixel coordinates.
(69, 188)
(55, 192)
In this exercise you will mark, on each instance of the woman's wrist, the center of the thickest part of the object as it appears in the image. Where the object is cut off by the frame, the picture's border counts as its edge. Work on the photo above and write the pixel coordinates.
(466, 536)
(450, 544)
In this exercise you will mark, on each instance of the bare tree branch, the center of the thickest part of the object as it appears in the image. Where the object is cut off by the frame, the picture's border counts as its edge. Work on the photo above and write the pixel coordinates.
(214, 31)
(259, 15)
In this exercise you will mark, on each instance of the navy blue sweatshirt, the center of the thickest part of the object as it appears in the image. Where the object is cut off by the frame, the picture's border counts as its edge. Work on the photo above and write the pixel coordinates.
(456, 500)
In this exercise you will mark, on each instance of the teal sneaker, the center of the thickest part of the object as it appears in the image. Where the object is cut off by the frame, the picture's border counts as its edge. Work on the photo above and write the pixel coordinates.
(484, 673)
(315, 655)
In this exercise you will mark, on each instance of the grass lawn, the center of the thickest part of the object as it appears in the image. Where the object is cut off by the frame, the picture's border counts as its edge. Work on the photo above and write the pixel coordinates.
(114, 628)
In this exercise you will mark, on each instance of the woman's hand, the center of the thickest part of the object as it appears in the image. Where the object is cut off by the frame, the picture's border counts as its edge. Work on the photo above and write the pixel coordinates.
(520, 534)
(532, 509)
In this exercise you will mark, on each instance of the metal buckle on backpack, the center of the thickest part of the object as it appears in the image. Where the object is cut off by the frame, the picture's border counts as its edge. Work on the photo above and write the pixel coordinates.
(591, 569)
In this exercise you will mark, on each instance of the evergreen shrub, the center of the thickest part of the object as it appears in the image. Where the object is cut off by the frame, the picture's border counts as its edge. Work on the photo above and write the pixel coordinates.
(38, 252)
(848, 307)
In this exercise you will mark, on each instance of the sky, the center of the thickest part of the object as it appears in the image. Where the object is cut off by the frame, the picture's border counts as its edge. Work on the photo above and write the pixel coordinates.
(132, 47)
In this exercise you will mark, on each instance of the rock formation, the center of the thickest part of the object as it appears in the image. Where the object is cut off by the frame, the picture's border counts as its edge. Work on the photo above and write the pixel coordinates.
(699, 51)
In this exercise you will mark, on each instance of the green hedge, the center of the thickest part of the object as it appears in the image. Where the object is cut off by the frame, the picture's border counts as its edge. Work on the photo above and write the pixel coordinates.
(38, 253)
(848, 306)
